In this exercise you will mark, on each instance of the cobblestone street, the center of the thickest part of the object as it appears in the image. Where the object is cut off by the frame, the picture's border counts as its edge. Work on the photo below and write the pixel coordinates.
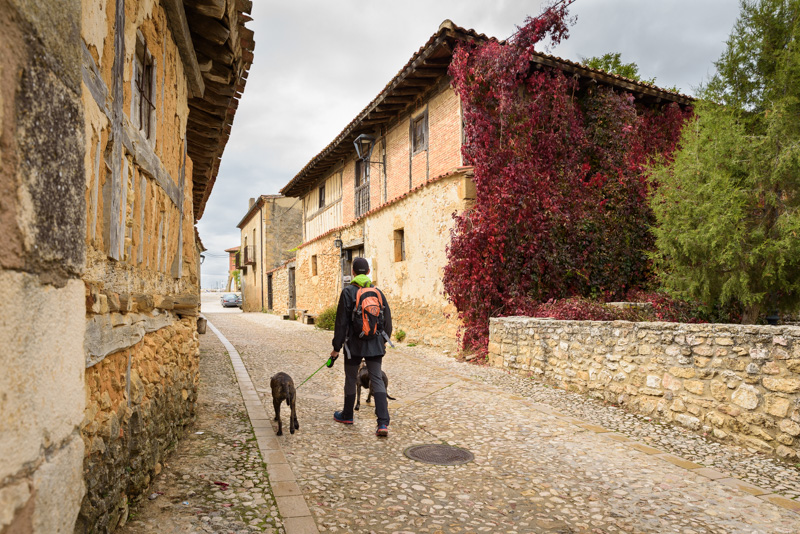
(545, 460)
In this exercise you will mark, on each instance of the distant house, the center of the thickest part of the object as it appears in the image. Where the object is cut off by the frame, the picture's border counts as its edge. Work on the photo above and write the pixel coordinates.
(271, 229)
(394, 205)
(233, 269)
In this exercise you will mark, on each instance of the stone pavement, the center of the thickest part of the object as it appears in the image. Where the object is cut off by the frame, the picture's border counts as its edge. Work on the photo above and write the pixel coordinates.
(545, 460)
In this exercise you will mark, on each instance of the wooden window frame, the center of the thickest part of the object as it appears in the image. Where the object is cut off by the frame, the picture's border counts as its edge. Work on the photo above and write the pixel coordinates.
(144, 89)
(399, 245)
(361, 192)
(418, 128)
(314, 270)
(322, 196)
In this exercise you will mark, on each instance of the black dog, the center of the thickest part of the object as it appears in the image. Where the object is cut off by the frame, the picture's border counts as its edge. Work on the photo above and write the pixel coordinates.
(363, 381)
(283, 390)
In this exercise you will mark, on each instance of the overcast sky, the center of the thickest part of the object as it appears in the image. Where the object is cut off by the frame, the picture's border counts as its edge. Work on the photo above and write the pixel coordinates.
(318, 63)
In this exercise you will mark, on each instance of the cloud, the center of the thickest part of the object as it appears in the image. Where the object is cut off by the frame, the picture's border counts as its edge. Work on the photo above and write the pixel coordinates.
(319, 63)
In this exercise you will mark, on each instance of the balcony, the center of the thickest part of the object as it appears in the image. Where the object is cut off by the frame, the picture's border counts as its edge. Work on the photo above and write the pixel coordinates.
(249, 255)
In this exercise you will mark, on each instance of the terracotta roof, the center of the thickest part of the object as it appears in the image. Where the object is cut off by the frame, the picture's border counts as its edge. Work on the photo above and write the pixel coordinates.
(423, 72)
(233, 249)
(224, 49)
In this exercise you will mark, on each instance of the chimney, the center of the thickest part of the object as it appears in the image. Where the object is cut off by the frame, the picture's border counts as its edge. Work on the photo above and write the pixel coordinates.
(252, 201)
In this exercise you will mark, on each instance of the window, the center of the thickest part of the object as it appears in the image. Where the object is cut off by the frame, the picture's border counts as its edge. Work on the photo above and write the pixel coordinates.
(419, 133)
(399, 245)
(143, 89)
(322, 196)
(314, 265)
(362, 188)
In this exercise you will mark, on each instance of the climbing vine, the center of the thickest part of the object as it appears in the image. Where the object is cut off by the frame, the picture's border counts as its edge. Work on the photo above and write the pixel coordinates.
(561, 205)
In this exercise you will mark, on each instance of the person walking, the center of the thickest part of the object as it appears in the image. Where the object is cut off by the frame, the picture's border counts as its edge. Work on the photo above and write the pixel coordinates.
(363, 326)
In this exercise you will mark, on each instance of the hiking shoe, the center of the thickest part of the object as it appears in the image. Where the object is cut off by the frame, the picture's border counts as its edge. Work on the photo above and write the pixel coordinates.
(337, 416)
(382, 431)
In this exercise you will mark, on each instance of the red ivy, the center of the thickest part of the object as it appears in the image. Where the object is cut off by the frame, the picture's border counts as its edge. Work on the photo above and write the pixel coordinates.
(561, 207)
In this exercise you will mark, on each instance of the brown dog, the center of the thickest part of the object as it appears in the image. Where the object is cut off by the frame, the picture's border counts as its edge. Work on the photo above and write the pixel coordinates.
(283, 390)
(363, 381)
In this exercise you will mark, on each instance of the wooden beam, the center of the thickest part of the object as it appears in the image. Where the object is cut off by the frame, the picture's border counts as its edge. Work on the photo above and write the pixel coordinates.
(218, 73)
(220, 54)
(209, 28)
(244, 5)
(179, 27)
(210, 8)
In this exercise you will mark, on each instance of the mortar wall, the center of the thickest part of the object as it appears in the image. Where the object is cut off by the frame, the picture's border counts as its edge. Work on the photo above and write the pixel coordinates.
(737, 383)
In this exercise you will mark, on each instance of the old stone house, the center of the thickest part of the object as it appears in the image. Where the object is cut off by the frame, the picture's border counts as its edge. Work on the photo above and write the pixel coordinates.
(270, 232)
(394, 205)
(113, 117)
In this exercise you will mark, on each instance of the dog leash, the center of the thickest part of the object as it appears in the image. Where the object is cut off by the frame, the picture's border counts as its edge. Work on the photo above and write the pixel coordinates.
(326, 364)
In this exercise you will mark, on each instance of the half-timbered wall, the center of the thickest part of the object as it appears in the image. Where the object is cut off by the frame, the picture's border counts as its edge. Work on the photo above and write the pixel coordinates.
(317, 220)
(141, 272)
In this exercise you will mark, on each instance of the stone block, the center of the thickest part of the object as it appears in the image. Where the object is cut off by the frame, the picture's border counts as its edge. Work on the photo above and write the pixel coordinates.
(776, 405)
(783, 385)
(43, 395)
(694, 386)
(718, 390)
(746, 396)
(59, 488)
(789, 427)
(682, 372)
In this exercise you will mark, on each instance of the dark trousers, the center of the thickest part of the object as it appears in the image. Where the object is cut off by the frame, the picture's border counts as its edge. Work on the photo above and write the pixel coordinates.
(377, 387)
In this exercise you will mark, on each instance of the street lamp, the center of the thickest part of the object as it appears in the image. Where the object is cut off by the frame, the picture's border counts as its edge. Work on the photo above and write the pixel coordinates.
(364, 144)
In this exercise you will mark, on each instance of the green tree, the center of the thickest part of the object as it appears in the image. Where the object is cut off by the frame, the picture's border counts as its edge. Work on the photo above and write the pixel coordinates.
(728, 226)
(612, 63)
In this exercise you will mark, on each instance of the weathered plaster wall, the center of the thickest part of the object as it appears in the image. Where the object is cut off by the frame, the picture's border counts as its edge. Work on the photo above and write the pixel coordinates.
(414, 286)
(740, 383)
(42, 230)
(252, 232)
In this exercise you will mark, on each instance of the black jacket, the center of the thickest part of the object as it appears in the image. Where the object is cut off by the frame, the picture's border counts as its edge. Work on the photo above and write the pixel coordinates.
(344, 315)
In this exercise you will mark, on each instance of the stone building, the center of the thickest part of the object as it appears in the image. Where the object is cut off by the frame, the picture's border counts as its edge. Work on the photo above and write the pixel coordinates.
(271, 230)
(113, 117)
(395, 205)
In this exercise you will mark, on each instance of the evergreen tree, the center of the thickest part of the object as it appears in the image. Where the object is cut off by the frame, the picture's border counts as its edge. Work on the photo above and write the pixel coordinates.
(728, 226)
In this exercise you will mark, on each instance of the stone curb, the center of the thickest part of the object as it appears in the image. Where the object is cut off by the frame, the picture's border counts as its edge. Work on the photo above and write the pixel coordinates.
(289, 498)
(711, 474)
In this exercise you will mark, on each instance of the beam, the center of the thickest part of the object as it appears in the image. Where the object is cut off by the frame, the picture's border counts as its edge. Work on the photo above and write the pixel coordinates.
(176, 19)
(209, 28)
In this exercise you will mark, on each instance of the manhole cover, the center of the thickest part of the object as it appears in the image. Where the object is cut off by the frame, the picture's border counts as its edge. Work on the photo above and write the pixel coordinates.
(439, 454)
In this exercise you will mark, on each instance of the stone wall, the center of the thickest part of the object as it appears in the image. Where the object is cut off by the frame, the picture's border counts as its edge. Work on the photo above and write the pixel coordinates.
(42, 233)
(317, 292)
(738, 383)
(140, 399)
(280, 288)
